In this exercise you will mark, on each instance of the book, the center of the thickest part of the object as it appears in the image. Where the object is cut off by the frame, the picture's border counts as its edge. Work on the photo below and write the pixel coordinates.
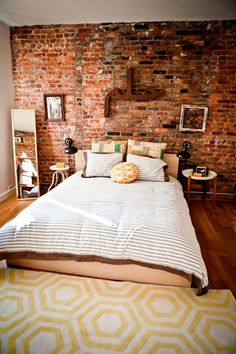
(197, 174)
(60, 164)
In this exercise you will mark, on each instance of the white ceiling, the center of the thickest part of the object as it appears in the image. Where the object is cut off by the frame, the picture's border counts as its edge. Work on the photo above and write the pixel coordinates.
(23, 120)
(36, 12)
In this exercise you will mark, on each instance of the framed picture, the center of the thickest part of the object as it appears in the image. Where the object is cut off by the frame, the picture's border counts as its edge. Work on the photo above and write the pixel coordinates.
(200, 170)
(193, 118)
(54, 107)
(18, 139)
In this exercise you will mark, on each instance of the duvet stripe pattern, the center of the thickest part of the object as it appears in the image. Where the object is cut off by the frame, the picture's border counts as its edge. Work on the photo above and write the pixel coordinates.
(145, 222)
(148, 169)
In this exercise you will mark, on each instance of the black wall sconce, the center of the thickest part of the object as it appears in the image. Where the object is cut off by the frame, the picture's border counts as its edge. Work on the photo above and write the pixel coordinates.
(183, 155)
(70, 149)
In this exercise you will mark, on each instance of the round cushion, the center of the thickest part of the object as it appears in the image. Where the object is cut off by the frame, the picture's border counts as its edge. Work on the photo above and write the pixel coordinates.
(124, 172)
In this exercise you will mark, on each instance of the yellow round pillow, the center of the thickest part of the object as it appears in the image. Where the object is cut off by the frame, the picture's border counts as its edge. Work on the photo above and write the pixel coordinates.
(124, 172)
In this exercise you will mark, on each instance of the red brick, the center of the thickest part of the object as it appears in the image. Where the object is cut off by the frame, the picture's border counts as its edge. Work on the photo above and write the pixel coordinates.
(86, 61)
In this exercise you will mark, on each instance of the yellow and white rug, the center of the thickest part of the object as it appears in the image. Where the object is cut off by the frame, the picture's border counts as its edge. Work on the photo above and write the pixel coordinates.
(43, 313)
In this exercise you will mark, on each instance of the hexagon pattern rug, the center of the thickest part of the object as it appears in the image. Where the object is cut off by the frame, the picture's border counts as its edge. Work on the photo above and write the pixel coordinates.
(43, 313)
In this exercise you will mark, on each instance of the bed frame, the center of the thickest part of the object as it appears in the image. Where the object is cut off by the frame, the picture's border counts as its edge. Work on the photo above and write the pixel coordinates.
(125, 272)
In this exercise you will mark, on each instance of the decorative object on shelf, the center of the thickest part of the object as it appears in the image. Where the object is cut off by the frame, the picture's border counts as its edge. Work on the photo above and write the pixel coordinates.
(193, 118)
(70, 149)
(60, 164)
(149, 95)
(54, 107)
(18, 139)
(200, 171)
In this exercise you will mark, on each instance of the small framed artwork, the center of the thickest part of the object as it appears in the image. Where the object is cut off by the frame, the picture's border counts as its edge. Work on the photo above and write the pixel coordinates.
(18, 139)
(193, 118)
(54, 107)
(200, 171)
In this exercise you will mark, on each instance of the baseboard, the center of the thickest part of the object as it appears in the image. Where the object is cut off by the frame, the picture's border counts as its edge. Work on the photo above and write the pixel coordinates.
(7, 194)
(209, 195)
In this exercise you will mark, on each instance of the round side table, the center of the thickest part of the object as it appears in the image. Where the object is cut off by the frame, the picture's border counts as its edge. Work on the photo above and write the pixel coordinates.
(212, 176)
(58, 172)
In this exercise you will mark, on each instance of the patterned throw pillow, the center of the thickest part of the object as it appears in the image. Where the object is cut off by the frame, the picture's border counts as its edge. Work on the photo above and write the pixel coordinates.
(124, 172)
(149, 169)
(109, 146)
(100, 165)
(144, 148)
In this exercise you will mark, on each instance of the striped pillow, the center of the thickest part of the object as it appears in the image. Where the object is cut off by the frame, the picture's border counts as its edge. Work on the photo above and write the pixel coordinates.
(144, 148)
(149, 169)
(100, 165)
(109, 146)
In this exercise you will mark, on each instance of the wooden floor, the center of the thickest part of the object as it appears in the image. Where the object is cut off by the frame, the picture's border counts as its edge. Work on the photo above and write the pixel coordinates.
(215, 229)
(216, 233)
(11, 207)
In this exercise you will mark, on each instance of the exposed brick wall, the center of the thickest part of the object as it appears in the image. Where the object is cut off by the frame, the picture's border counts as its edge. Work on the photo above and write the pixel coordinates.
(25, 148)
(44, 62)
(191, 62)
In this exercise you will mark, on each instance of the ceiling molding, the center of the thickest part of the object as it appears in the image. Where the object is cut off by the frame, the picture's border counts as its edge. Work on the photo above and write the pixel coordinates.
(43, 12)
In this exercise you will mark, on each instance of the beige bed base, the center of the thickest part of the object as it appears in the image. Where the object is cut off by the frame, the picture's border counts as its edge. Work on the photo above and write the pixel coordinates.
(125, 272)
(128, 272)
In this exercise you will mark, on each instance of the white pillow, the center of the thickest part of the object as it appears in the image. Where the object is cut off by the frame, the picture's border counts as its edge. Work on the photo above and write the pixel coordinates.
(149, 169)
(100, 165)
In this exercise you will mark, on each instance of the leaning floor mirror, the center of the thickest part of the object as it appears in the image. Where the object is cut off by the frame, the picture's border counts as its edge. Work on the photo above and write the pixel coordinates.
(25, 153)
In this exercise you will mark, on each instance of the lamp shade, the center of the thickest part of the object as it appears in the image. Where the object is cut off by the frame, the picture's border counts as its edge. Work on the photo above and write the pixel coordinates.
(70, 149)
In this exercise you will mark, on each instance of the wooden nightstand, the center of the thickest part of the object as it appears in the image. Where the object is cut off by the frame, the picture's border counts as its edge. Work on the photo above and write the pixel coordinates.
(211, 177)
(58, 172)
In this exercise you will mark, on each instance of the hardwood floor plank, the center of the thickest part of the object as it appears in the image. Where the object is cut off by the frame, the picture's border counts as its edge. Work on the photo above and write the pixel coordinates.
(10, 207)
(215, 230)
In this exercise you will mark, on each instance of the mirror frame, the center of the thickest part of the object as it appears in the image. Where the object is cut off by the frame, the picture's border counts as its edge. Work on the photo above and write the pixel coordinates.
(13, 112)
(182, 117)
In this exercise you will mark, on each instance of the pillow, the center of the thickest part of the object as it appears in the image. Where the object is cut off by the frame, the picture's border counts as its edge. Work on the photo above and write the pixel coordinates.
(109, 146)
(124, 172)
(144, 148)
(100, 165)
(149, 169)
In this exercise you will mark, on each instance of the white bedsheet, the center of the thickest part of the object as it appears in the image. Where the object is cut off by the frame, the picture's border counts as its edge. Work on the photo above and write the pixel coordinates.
(143, 221)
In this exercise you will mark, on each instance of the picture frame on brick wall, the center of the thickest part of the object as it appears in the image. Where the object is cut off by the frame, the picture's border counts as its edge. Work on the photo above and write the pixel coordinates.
(54, 107)
(193, 118)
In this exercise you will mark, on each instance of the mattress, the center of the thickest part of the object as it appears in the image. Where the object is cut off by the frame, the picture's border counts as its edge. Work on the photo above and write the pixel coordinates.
(96, 219)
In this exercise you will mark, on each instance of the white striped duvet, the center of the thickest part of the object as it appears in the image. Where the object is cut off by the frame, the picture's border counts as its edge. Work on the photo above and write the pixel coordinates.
(143, 221)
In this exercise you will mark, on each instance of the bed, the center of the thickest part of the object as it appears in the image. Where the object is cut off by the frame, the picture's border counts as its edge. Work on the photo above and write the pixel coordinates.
(94, 227)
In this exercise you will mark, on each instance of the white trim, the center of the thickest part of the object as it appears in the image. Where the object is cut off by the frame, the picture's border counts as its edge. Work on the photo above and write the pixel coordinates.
(7, 194)
(189, 106)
